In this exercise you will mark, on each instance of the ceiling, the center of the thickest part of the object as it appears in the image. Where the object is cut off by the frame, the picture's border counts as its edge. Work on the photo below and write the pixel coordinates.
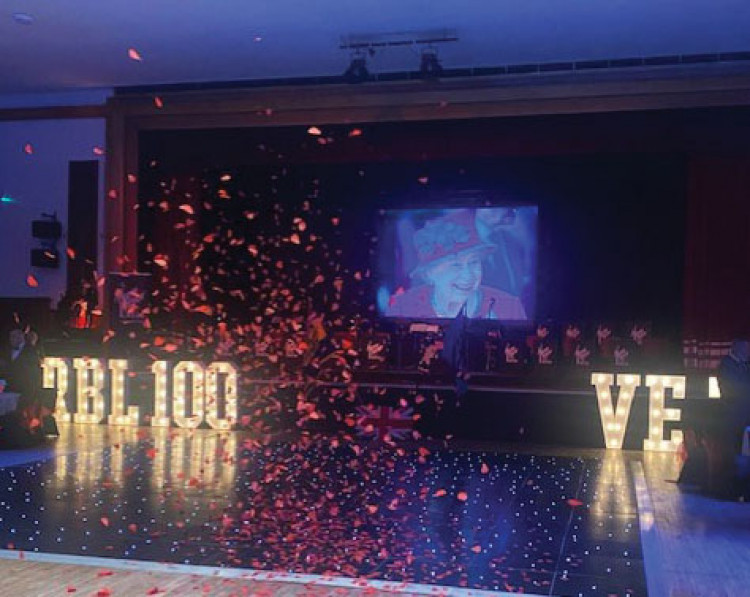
(83, 44)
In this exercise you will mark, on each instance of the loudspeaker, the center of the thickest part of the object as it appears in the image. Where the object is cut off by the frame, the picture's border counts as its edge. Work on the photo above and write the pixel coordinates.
(45, 258)
(46, 229)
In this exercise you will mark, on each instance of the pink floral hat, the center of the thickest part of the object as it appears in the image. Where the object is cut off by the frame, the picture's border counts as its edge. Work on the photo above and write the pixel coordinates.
(447, 236)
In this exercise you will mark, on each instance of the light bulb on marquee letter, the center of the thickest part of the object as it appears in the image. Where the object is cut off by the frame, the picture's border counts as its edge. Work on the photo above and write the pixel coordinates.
(160, 418)
(118, 367)
(50, 366)
(657, 414)
(212, 395)
(90, 383)
(614, 422)
(713, 387)
(179, 402)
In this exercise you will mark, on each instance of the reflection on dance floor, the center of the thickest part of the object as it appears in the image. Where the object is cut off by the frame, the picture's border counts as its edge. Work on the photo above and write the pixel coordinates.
(555, 525)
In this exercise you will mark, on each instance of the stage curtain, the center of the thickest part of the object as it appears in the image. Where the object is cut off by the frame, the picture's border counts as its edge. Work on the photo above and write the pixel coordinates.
(717, 251)
(172, 243)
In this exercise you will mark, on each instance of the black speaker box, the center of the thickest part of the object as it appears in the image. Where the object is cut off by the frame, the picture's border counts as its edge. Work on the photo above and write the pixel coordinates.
(46, 229)
(45, 258)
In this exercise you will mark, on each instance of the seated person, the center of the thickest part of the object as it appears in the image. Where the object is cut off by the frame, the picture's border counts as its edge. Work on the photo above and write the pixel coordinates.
(449, 275)
(23, 375)
(714, 429)
(734, 383)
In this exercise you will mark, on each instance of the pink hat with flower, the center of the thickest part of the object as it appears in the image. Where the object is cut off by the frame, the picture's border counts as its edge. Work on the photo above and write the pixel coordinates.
(447, 236)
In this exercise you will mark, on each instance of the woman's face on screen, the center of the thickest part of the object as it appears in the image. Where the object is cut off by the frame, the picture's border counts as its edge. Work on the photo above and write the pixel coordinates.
(457, 277)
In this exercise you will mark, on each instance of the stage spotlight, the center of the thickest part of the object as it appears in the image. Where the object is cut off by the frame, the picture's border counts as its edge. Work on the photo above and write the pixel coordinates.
(430, 67)
(357, 71)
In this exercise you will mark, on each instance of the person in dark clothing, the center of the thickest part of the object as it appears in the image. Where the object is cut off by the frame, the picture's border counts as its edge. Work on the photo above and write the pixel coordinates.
(714, 428)
(734, 384)
(23, 373)
(725, 439)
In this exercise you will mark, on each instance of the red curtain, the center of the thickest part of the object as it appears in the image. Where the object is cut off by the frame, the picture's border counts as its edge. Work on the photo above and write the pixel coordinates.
(717, 249)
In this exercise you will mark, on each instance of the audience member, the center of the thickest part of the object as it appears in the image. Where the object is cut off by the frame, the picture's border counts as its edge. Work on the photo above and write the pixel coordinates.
(24, 374)
(24, 377)
(714, 429)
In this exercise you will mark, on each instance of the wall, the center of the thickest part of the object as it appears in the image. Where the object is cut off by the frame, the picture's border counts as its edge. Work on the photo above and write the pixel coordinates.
(36, 178)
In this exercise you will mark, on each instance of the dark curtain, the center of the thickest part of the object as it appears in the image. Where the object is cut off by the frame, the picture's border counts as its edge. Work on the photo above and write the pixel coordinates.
(168, 250)
(717, 255)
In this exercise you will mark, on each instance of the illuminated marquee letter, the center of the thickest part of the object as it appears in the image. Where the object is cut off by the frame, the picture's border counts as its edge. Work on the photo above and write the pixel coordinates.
(160, 418)
(212, 395)
(713, 387)
(179, 403)
(90, 383)
(50, 367)
(614, 422)
(118, 367)
(657, 414)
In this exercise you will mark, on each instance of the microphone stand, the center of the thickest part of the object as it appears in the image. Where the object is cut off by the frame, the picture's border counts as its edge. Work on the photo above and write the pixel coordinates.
(487, 348)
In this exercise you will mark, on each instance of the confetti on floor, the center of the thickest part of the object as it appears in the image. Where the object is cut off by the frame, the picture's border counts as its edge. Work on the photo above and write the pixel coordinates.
(485, 520)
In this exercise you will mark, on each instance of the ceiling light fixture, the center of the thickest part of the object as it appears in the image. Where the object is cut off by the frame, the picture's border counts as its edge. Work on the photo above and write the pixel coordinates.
(430, 67)
(357, 71)
(23, 18)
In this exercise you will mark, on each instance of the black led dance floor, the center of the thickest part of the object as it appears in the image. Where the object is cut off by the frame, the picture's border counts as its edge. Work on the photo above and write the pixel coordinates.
(548, 525)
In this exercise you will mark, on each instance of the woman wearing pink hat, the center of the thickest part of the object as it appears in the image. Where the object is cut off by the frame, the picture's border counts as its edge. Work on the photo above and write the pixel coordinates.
(449, 275)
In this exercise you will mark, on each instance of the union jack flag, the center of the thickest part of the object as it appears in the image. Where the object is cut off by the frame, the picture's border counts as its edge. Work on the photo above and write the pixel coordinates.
(385, 421)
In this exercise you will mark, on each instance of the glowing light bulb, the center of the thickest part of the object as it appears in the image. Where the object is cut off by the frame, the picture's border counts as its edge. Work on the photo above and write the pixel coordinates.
(89, 386)
(180, 397)
(55, 376)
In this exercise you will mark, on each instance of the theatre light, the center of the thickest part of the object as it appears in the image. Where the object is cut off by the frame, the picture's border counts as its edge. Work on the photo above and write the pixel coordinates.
(430, 67)
(357, 71)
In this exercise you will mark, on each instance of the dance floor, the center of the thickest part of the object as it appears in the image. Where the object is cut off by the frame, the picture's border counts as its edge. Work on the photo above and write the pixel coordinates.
(544, 523)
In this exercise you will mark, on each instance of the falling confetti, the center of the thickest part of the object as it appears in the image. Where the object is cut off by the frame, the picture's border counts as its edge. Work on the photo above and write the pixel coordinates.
(260, 270)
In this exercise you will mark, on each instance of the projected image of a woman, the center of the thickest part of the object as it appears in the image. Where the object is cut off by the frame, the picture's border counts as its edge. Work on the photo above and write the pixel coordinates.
(449, 274)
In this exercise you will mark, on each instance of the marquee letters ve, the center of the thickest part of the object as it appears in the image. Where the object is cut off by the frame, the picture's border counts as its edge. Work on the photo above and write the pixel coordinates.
(614, 420)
